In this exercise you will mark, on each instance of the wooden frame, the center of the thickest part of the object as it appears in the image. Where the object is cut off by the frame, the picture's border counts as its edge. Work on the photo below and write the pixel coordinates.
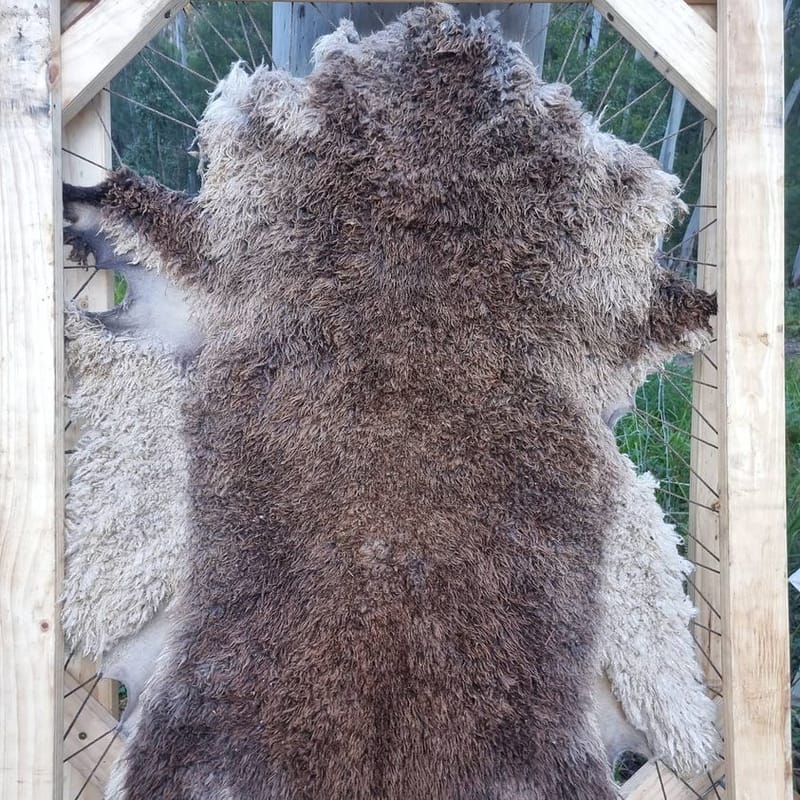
(31, 427)
(755, 645)
(86, 157)
(734, 76)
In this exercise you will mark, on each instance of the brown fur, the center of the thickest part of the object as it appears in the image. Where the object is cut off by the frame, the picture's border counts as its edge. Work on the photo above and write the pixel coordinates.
(420, 301)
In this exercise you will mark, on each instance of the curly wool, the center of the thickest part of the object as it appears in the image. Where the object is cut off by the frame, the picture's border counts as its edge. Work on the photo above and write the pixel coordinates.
(645, 644)
(127, 505)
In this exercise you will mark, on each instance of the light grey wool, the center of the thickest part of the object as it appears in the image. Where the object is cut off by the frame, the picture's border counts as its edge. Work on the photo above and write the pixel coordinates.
(126, 507)
(645, 646)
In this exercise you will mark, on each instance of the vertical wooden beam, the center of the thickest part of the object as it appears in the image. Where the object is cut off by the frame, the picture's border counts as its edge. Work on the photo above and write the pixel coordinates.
(86, 159)
(31, 426)
(753, 517)
(704, 547)
(297, 26)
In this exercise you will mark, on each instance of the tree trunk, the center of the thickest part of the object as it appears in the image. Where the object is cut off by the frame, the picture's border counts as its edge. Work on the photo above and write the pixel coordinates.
(796, 268)
(629, 95)
(179, 27)
(667, 156)
(592, 38)
(180, 37)
(791, 99)
(591, 44)
(688, 245)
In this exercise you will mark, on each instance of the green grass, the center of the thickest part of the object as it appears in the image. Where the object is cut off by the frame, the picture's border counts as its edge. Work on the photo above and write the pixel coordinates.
(657, 439)
(120, 287)
(792, 312)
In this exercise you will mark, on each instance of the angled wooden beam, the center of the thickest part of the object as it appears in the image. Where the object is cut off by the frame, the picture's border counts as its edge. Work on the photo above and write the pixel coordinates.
(92, 741)
(676, 40)
(99, 44)
(73, 10)
(654, 780)
(755, 643)
(708, 11)
(31, 385)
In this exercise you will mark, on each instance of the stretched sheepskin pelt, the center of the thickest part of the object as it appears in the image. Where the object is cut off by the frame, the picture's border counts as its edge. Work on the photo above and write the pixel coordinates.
(426, 284)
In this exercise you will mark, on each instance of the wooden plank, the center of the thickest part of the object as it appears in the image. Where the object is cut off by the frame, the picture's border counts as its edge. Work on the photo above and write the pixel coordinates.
(106, 691)
(73, 10)
(708, 11)
(86, 158)
(675, 39)
(703, 546)
(654, 781)
(74, 785)
(91, 743)
(102, 41)
(753, 519)
(31, 371)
